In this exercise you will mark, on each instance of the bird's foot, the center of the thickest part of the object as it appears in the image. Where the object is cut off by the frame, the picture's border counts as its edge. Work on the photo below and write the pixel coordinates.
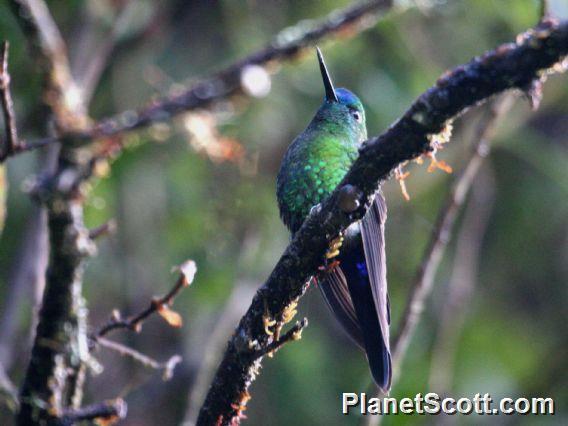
(334, 246)
(329, 266)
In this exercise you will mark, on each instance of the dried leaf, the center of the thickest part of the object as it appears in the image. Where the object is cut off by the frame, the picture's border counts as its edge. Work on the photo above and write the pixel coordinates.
(438, 164)
(172, 317)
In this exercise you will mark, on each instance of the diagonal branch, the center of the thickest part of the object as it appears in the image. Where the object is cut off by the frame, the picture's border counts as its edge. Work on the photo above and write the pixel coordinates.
(11, 143)
(61, 93)
(286, 45)
(166, 367)
(56, 370)
(512, 65)
(103, 413)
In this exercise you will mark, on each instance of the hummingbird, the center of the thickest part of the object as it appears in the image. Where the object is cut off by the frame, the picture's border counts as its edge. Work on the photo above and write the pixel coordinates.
(355, 289)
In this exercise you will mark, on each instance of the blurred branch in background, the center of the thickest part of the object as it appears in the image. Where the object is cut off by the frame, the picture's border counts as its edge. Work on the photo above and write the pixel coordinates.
(288, 45)
(205, 357)
(521, 65)
(52, 388)
(159, 305)
(103, 413)
(441, 235)
(424, 280)
(458, 294)
(8, 391)
(53, 374)
(166, 367)
(10, 144)
(89, 73)
(56, 372)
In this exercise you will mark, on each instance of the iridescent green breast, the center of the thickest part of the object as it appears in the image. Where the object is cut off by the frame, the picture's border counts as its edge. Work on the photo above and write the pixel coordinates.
(313, 166)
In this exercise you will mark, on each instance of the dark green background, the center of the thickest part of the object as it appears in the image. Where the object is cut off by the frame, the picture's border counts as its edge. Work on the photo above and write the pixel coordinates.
(172, 203)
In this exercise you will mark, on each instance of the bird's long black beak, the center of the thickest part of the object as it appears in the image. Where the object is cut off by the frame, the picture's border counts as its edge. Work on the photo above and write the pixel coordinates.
(330, 95)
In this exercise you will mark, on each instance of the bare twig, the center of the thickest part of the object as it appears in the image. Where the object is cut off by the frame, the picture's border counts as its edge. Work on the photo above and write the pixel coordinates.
(106, 412)
(107, 228)
(88, 79)
(11, 143)
(287, 45)
(295, 333)
(167, 367)
(187, 273)
(61, 93)
(512, 65)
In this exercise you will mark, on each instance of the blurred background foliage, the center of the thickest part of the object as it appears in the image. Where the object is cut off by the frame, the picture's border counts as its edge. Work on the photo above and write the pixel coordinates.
(189, 190)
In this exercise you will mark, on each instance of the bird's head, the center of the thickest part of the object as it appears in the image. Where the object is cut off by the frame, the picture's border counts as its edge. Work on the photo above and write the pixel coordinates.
(341, 105)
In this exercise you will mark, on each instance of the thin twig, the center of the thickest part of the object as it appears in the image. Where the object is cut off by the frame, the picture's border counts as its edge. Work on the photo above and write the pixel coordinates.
(106, 412)
(49, 49)
(295, 333)
(512, 65)
(11, 143)
(107, 228)
(88, 79)
(167, 367)
(187, 273)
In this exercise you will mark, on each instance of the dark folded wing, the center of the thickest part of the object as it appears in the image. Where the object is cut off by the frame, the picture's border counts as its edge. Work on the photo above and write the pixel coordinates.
(372, 232)
(336, 294)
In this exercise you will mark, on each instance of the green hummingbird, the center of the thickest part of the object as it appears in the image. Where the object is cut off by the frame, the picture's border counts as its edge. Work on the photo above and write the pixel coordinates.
(314, 164)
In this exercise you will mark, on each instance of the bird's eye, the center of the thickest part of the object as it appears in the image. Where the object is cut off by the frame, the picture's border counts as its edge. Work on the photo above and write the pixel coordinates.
(357, 116)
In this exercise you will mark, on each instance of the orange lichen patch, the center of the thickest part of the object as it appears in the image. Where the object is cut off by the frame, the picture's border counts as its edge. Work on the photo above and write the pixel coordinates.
(438, 164)
(240, 407)
(441, 138)
(290, 312)
(400, 176)
(172, 317)
(110, 147)
(268, 322)
(107, 421)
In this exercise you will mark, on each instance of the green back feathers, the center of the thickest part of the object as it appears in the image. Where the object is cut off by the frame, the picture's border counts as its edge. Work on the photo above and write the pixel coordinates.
(318, 159)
